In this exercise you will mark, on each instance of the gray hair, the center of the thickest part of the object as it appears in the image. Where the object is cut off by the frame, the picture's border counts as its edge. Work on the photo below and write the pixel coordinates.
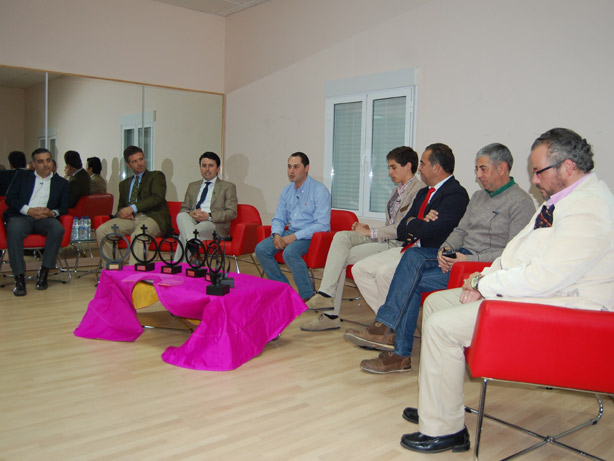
(498, 153)
(564, 144)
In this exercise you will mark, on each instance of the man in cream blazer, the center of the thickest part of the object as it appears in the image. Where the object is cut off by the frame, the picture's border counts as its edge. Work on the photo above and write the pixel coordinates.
(349, 247)
(209, 204)
(565, 257)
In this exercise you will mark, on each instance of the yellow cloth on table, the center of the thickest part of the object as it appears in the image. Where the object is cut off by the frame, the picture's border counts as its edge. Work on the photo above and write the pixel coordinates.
(144, 294)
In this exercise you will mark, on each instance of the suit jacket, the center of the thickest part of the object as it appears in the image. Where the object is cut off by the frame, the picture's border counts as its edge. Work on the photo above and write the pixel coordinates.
(389, 231)
(21, 189)
(223, 203)
(78, 186)
(98, 184)
(151, 198)
(450, 201)
(6, 176)
(570, 264)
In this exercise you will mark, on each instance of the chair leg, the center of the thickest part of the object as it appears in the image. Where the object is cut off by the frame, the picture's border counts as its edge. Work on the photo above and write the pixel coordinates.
(553, 439)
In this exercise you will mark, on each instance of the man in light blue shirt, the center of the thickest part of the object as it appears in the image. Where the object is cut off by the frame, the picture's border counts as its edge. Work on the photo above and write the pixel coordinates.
(304, 206)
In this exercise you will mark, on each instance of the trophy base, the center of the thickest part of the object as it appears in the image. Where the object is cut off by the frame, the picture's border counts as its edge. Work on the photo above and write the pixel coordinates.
(228, 281)
(218, 290)
(144, 267)
(196, 273)
(176, 269)
(114, 266)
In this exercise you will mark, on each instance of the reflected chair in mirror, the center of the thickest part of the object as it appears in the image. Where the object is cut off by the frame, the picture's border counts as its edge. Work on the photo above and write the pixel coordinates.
(315, 258)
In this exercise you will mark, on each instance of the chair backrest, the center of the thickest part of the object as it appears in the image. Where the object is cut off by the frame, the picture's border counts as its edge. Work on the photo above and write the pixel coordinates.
(342, 220)
(245, 214)
(93, 205)
(173, 208)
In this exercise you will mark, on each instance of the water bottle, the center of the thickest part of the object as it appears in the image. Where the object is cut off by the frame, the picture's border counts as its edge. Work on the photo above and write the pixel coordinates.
(75, 229)
(81, 228)
(88, 228)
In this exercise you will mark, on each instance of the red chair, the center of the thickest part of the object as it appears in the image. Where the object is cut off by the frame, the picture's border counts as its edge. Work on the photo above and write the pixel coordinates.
(93, 205)
(540, 345)
(315, 258)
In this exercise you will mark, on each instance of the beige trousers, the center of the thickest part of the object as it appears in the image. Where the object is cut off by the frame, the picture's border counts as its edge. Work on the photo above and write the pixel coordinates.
(125, 227)
(373, 276)
(447, 328)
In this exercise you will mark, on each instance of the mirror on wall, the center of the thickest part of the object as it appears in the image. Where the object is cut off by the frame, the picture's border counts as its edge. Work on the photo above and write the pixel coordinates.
(100, 118)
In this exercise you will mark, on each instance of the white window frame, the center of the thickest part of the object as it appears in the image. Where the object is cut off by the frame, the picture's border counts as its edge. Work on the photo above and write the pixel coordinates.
(136, 122)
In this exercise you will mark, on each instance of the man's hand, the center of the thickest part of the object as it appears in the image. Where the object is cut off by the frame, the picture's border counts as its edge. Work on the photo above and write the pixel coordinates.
(288, 239)
(199, 215)
(126, 213)
(362, 229)
(445, 263)
(469, 295)
(40, 212)
(277, 242)
(431, 216)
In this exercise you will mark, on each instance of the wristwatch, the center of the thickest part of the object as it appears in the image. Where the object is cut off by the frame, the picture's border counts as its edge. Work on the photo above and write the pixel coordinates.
(475, 282)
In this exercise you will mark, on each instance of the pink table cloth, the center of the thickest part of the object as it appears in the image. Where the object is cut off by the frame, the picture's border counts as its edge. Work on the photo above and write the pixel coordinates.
(234, 328)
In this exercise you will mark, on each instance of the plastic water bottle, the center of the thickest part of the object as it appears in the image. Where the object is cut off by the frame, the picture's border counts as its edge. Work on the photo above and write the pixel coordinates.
(81, 228)
(75, 229)
(88, 228)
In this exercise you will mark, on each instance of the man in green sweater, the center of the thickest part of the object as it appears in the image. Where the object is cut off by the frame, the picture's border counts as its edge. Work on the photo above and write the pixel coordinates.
(494, 216)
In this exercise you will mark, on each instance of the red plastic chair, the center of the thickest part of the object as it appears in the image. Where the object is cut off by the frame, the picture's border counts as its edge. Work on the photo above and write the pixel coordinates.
(315, 258)
(541, 345)
(93, 205)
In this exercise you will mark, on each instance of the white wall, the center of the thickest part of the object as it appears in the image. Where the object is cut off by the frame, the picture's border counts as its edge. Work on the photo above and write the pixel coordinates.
(12, 113)
(489, 71)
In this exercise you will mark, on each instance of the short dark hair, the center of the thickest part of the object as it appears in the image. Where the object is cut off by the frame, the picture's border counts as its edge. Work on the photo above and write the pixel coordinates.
(40, 150)
(211, 156)
(497, 153)
(564, 144)
(404, 155)
(304, 158)
(73, 159)
(442, 155)
(131, 150)
(17, 159)
(95, 164)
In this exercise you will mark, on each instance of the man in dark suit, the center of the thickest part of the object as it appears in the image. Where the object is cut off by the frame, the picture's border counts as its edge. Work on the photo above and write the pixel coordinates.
(35, 199)
(79, 182)
(142, 201)
(435, 212)
(209, 204)
(17, 160)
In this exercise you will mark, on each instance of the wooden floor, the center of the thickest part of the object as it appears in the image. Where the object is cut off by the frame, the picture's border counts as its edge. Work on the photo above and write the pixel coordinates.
(303, 398)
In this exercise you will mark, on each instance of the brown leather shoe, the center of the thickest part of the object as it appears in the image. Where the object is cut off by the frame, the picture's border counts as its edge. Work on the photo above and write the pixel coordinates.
(378, 336)
(387, 362)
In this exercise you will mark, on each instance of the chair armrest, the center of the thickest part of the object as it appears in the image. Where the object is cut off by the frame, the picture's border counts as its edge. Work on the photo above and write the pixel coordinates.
(66, 221)
(97, 221)
(263, 232)
(318, 249)
(462, 270)
(244, 239)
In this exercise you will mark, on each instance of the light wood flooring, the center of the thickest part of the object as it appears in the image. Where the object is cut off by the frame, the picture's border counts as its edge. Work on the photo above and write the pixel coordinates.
(303, 398)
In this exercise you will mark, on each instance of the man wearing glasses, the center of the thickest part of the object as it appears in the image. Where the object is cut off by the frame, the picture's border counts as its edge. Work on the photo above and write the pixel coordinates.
(564, 257)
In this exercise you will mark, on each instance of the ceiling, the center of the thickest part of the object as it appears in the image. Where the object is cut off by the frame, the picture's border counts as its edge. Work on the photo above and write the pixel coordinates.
(217, 7)
(22, 78)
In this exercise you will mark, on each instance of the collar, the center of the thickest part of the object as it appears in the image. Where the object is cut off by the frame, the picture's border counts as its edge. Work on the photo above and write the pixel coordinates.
(48, 178)
(440, 183)
(211, 181)
(560, 195)
(501, 189)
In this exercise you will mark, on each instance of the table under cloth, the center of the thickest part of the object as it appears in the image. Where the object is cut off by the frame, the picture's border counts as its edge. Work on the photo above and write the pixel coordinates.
(234, 328)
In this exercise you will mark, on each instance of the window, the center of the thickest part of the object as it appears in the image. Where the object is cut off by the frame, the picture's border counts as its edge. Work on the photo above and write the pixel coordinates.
(138, 130)
(361, 128)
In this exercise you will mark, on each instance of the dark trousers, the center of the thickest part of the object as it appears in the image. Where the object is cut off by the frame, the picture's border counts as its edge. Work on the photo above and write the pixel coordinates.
(19, 227)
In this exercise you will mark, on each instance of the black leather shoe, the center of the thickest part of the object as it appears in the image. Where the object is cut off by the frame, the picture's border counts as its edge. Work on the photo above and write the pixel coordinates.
(20, 285)
(426, 444)
(41, 278)
(411, 415)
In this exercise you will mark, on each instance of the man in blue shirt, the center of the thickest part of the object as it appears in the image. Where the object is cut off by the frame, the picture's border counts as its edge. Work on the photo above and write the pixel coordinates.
(304, 206)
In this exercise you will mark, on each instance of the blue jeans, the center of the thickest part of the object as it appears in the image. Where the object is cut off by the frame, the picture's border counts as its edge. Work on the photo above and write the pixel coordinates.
(417, 272)
(293, 257)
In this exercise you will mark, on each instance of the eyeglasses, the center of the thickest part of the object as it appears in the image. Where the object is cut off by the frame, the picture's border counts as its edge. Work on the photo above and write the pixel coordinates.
(554, 165)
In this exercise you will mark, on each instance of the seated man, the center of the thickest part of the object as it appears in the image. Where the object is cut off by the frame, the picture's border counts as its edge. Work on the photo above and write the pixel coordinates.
(17, 160)
(209, 204)
(94, 168)
(35, 199)
(349, 247)
(494, 216)
(304, 206)
(436, 211)
(79, 181)
(141, 202)
(563, 257)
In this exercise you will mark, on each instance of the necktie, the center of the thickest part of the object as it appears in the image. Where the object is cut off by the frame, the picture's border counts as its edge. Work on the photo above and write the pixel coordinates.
(544, 218)
(203, 196)
(420, 216)
(135, 190)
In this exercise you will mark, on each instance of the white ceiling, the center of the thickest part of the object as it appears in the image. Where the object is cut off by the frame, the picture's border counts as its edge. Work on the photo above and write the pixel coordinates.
(217, 7)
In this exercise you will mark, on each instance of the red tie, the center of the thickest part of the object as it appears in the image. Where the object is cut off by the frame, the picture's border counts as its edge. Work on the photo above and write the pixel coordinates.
(420, 215)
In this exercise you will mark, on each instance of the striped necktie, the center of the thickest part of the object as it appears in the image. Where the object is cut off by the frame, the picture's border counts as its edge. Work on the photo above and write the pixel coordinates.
(420, 216)
(135, 190)
(544, 218)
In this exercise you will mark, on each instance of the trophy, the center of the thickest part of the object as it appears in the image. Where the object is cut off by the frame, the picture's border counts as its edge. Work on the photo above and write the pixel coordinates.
(171, 265)
(195, 257)
(142, 242)
(115, 261)
(220, 284)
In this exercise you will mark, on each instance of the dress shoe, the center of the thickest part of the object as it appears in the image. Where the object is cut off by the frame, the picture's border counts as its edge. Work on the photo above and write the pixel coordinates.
(378, 336)
(321, 323)
(41, 278)
(320, 303)
(411, 414)
(20, 285)
(427, 444)
(387, 362)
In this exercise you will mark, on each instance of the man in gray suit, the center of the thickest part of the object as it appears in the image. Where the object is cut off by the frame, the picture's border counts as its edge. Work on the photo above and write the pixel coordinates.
(209, 204)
